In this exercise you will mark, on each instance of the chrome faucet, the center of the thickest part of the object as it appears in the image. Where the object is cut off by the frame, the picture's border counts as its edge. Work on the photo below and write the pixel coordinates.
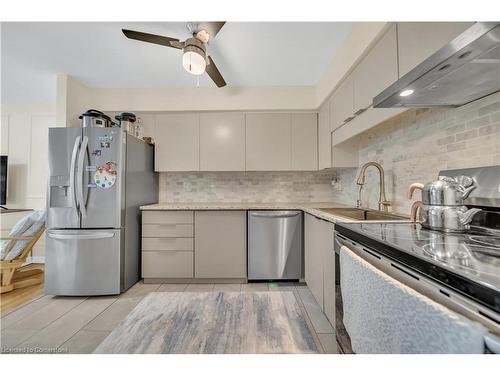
(383, 203)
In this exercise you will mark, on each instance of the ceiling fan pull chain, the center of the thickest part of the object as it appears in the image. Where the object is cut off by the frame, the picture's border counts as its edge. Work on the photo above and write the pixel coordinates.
(197, 81)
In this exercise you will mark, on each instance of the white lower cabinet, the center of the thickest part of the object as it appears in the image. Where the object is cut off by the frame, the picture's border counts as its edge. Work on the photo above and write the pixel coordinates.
(167, 264)
(329, 275)
(167, 244)
(194, 244)
(320, 263)
(220, 244)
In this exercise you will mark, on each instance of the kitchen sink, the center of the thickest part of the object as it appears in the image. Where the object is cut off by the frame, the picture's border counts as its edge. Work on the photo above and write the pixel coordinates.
(363, 214)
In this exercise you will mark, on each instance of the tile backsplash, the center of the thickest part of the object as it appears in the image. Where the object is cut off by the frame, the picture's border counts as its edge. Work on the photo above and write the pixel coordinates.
(415, 145)
(205, 187)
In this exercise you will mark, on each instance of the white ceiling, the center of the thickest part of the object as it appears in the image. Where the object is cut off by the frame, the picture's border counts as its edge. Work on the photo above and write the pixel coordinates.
(99, 55)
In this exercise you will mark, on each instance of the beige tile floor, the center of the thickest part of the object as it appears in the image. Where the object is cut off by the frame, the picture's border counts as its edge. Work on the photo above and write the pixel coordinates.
(51, 324)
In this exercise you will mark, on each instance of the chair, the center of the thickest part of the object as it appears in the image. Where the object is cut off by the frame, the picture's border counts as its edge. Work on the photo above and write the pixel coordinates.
(11, 276)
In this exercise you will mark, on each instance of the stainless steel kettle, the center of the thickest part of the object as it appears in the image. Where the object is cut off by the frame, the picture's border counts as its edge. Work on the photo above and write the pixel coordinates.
(442, 207)
(446, 191)
(447, 218)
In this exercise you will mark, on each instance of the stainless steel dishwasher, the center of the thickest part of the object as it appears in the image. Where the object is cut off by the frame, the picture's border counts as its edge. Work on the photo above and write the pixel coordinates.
(275, 245)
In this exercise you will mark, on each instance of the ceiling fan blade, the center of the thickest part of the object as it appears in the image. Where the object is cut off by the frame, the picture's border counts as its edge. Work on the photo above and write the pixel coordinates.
(152, 38)
(211, 27)
(214, 73)
(177, 44)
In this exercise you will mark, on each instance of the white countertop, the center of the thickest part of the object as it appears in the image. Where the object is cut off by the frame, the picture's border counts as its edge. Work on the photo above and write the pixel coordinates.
(309, 207)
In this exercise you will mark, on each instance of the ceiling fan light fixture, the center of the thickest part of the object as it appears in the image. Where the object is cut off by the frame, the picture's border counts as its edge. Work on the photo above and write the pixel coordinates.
(194, 62)
(194, 57)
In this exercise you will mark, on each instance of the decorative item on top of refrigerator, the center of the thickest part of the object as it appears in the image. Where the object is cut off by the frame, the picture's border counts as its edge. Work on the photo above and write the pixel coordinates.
(139, 128)
(96, 119)
(127, 122)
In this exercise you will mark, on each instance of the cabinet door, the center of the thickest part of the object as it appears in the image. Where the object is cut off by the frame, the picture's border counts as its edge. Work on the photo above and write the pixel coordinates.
(342, 104)
(220, 244)
(328, 272)
(324, 142)
(313, 258)
(305, 141)
(222, 141)
(177, 138)
(268, 141)
(376, 71)
(418, 40)
(167, 264)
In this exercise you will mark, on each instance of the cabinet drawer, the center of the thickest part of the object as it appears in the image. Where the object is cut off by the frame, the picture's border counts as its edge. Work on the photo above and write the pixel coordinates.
(167, 244)
(167, 264)
(167, 230)
(167, 217)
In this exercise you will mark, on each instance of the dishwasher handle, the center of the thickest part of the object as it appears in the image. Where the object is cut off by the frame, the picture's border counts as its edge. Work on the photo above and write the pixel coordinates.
(274, 215)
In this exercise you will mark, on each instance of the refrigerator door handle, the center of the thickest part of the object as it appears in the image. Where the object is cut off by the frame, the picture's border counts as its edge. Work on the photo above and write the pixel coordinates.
(72, 169)
(79, 190)
(86, 236)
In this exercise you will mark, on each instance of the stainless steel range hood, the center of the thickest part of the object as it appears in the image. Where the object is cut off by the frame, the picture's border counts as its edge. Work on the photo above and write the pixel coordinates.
(464, 70)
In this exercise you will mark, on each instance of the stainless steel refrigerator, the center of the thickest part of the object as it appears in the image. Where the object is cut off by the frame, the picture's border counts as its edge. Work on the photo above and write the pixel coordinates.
(98, 179)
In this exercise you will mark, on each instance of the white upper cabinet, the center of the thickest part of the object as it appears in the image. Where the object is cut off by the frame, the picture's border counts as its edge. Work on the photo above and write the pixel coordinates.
(304, 141)
(324, 138)
(177, 138)
(376, 71)
(222, 141)
(419, 40)
(342, 103)
(268, 141)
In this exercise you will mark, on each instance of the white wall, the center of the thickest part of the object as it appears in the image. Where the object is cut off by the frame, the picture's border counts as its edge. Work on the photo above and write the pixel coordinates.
(25, 140)
(73, 99)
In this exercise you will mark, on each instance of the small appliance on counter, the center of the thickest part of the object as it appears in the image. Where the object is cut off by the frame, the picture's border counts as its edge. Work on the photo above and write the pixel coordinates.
(96, 119)
(443, 203)
(459, 270)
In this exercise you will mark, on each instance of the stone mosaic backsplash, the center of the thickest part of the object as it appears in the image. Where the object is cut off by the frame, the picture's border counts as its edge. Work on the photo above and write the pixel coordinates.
(258, 187)
(415, 145)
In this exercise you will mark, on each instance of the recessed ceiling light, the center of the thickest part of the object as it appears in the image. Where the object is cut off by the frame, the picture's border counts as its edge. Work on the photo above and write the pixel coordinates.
(406, 92)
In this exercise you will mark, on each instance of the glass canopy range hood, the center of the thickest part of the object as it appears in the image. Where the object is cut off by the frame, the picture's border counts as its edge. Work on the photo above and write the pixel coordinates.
(464, 70)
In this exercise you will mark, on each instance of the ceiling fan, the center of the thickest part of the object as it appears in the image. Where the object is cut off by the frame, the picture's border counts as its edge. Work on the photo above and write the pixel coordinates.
(194, 59)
